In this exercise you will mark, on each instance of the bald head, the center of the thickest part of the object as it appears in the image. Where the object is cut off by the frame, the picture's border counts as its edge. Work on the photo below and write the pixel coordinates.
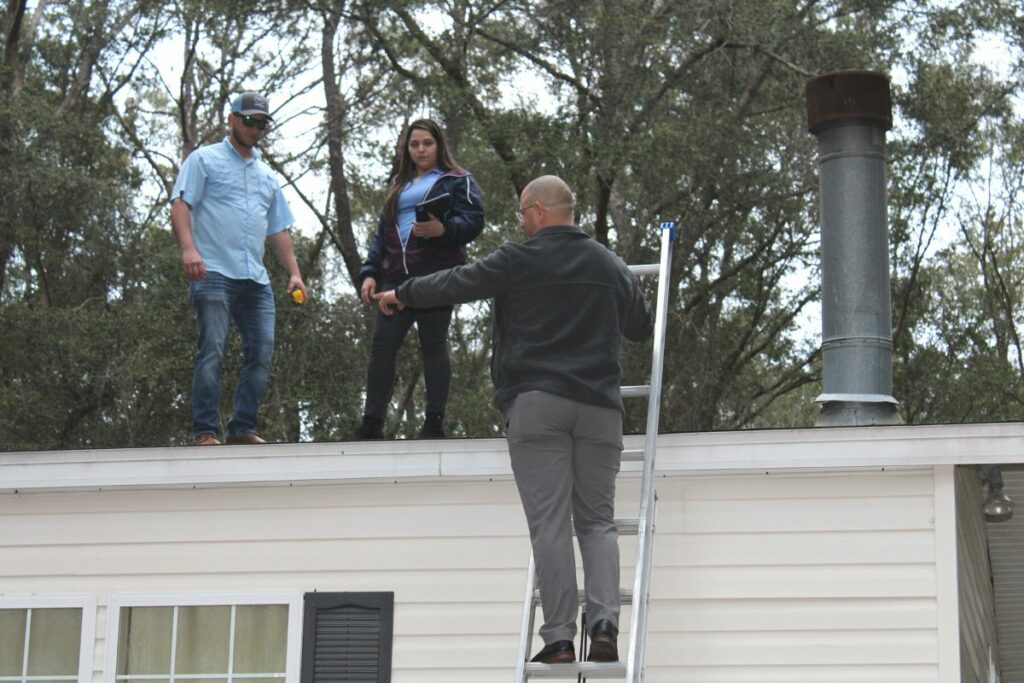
(555, 200)
(552, 192)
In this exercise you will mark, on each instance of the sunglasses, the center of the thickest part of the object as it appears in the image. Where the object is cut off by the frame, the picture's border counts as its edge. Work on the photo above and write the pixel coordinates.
(253, 122)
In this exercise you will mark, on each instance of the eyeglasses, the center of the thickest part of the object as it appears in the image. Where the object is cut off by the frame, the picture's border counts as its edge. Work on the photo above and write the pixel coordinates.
(253, 122)
(521, 211)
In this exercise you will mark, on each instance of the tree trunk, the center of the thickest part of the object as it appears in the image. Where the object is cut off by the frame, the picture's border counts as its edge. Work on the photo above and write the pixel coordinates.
(13, 18)
(602, 205)
(9, 78)
(186, 109)
(336, 113)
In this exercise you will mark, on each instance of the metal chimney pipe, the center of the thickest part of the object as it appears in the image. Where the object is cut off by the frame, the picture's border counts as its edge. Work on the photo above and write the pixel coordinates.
(850, 112)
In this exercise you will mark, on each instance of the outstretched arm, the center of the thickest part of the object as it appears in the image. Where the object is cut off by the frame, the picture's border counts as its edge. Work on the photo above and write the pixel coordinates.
(481, 280)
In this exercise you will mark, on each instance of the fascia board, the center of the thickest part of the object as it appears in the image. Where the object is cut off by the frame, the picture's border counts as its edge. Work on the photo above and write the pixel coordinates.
(739, 452)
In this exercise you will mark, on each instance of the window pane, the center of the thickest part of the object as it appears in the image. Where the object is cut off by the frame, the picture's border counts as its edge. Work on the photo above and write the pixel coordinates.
(144, 641)
(275, 679)
(12, 641)
(54, 642)
(261, 638)
(203, 634)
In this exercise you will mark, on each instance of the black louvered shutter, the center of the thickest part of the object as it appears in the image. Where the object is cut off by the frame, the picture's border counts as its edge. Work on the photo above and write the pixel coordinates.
(347, 637)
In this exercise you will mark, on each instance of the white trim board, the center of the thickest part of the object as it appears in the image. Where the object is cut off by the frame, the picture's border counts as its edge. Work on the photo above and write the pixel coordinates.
(740, 452)
(87, 603)
(946, 579)
(119, 600)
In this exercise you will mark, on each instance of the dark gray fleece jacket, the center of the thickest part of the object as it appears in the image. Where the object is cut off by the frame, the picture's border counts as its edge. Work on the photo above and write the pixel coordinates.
(562, 303)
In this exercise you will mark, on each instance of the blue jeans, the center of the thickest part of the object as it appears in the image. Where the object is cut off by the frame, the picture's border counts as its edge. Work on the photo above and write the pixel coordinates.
(217, 300)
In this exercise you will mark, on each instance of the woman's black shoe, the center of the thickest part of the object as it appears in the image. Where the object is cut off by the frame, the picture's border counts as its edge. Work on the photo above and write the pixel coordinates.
(558, 652)
(433, 427)
(372, 429)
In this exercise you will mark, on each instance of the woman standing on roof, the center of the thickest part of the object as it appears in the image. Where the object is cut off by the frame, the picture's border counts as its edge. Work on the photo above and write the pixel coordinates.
(404, 247)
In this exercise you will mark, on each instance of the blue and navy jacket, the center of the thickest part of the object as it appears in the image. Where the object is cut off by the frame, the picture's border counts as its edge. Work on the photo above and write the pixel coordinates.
(388, 261)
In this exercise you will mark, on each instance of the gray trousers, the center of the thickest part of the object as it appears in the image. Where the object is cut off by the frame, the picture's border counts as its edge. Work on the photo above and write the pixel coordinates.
(565, 456)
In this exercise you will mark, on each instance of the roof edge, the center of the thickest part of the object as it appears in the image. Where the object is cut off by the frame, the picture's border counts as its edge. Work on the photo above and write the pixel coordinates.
(738, 452)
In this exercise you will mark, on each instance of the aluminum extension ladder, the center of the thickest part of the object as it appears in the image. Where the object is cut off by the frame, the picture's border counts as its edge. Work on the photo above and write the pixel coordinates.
(632, 668)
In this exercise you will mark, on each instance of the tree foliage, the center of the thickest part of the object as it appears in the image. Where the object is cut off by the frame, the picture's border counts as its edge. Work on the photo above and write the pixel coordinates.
(651, 110)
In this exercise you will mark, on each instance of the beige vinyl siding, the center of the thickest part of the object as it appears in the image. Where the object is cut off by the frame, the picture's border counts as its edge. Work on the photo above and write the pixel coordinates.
(796, 578)
(823, 577)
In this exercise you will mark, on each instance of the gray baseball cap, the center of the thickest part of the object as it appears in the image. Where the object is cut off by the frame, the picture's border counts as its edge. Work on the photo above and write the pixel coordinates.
(251, 103)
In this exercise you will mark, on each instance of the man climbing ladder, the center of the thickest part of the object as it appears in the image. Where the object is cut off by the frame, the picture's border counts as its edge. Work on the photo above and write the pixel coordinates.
(547, 663)
(563, 302)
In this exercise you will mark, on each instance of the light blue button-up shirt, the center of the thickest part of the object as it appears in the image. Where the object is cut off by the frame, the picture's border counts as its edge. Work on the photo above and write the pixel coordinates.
(236, 204)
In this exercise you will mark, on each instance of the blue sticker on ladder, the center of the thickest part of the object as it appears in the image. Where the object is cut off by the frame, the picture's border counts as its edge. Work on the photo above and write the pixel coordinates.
(671, 227)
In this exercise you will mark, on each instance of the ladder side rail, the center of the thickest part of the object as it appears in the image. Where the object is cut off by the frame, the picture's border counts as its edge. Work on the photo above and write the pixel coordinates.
(641, 581)
(526, 632)
(641, 605)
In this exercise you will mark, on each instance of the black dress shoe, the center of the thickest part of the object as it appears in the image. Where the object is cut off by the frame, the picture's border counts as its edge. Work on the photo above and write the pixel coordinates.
(603, 647)
(558, 652)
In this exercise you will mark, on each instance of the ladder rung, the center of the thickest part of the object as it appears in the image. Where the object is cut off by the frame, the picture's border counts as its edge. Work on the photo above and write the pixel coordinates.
(627, 526)
(633, 455)
(634, 391)
(645, 269)
(588, 669)
(625, 596)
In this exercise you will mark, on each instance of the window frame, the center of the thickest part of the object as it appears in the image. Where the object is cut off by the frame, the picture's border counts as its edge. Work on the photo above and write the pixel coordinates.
(87, 637)
(293, 648)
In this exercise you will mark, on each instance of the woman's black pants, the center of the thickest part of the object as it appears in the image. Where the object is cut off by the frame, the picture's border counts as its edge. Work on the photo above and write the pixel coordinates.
(388, 333)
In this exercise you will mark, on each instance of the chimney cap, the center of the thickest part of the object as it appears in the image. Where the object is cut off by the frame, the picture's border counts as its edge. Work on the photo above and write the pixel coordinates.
(848, 97)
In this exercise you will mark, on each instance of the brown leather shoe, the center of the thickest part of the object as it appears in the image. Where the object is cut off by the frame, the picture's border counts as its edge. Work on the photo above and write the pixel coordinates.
(250, 438)
(206, 439)
(603, 647)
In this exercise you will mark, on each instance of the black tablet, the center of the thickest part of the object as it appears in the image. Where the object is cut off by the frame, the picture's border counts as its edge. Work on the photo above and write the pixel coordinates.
(438, 206)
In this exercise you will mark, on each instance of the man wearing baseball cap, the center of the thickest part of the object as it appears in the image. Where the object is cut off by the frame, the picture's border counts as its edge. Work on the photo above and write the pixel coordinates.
(225, 205)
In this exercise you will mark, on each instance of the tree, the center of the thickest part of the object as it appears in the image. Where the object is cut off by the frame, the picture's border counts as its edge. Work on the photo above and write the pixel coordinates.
(956, 171)
(651, 110)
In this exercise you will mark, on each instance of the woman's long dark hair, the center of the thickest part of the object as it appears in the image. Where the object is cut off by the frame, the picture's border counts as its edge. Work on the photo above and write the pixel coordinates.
(407, 169)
